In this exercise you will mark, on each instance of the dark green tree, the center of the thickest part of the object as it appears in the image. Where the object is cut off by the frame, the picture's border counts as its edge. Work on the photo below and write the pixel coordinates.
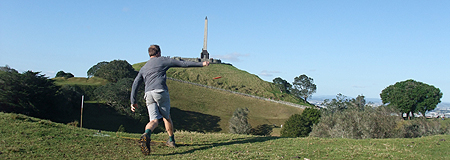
(301, 125)
(295, 126)
(411, 97)
(303, 87)
(312, 115)
(116, 70)
(91, 72)
(117, 96)
(29, 93)
(238, 123)
(64, 74)
(282, 84)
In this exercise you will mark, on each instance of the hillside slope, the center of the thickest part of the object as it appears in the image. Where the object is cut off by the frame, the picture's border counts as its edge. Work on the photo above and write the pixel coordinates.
(206, 107)
(231, 79)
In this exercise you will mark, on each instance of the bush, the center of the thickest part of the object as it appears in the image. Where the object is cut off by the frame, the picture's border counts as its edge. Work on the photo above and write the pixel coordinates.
(420, 127)
(357, 124)
(296, 126)
(374, 123)
(301, 125)
(64, 74)
(116, 70)
(239, 123)
(262, 130)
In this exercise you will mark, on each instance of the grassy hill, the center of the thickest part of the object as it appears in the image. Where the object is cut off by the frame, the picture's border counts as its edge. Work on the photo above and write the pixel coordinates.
(80, 81)
(231, 79)
(25, 137)
(194, 108)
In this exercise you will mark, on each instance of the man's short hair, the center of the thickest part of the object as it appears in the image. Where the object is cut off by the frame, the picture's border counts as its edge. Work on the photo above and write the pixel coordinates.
(153, 50)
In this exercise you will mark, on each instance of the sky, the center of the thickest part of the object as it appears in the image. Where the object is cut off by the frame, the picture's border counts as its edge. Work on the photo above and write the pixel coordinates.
(348, 47)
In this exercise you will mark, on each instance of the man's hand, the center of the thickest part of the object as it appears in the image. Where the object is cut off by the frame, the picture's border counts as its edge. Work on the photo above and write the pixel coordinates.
(133, 107)
(205, 63)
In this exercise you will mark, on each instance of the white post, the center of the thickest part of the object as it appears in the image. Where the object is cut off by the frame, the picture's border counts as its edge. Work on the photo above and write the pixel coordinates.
(81, 119)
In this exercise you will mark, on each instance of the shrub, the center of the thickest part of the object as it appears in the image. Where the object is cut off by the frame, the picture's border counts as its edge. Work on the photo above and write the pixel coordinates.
(301, 125)
(296, 126)
(262, 130)
(357, 124)
(420, 127)
(239, 123)
(374, 123)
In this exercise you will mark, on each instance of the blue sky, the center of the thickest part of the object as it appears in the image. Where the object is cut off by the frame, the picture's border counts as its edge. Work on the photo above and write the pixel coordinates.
(349, 47)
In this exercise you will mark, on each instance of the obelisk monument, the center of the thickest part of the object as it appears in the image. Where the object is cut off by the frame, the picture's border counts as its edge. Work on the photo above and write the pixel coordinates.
(205, 54)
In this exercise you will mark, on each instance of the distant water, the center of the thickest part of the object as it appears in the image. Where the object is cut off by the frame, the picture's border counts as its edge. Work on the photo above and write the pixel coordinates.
(377, 101)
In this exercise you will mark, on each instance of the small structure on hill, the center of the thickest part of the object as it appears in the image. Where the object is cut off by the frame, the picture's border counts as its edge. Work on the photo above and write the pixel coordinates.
(204, 55)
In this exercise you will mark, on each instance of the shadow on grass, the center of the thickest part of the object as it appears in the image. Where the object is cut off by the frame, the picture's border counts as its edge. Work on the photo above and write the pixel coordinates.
(219, 144)
(102, 117)
(194, 121)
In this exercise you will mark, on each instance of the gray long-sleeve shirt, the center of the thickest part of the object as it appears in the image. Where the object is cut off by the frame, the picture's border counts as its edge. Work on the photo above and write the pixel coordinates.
(153, 73)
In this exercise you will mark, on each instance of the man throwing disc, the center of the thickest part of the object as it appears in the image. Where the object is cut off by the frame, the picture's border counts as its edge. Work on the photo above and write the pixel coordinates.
(153, 74)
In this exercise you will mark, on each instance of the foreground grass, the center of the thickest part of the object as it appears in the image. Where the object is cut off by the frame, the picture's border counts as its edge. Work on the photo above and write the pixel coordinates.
(25, 137)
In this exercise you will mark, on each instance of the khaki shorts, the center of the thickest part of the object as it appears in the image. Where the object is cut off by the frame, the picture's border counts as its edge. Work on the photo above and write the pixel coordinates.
(158, 104)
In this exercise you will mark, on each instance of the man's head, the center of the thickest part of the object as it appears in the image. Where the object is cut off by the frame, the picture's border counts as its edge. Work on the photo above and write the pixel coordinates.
(154, 50)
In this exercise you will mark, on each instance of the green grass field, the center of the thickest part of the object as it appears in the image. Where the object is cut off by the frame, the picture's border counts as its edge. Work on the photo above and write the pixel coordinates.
(25, 137)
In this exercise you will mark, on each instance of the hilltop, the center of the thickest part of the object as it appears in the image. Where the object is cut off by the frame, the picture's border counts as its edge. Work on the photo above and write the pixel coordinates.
(24, 137)
(231, 78)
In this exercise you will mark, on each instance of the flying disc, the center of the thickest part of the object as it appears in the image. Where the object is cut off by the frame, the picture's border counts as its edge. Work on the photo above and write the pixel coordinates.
(217, 77)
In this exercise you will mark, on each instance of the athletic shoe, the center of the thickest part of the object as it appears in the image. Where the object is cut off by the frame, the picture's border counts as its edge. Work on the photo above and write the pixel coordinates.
(145, 144)
(171, 144)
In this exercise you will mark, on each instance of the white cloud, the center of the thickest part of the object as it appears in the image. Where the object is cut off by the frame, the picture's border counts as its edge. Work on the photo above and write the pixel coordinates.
(267, 73)
(232, 57)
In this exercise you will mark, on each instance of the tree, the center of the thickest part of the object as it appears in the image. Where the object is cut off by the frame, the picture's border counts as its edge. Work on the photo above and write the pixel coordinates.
(359, 102)
(239, 123)
(63, 74)
(303, 87)
(116, 70)
(282, 84)
(337, 104)
(117, 96)
(301, 125)
(28, 93)
(295, 126)
(411, 97)
(91, 72)
(312, 115)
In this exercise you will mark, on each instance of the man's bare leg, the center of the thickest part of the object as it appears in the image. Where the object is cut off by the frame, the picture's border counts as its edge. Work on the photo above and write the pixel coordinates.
(169, 128)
